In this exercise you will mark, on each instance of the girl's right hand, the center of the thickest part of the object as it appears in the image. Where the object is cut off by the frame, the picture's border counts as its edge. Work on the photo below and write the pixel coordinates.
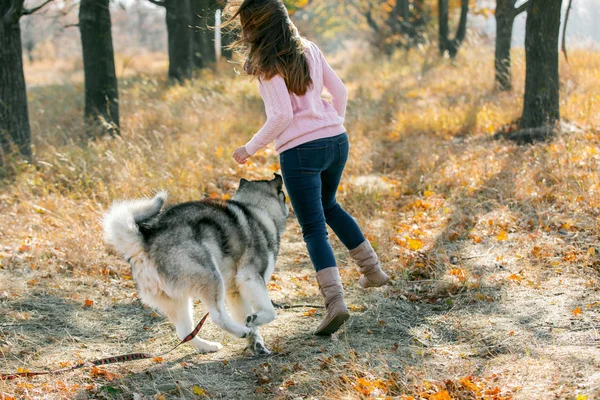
(241, 155)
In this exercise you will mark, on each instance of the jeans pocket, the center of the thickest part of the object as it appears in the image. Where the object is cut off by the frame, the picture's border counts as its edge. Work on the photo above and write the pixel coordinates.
(344, 149)
(312, 160)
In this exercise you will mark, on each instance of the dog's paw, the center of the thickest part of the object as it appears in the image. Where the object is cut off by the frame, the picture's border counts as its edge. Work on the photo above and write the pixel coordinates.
(205, 346)
(250, 320)
(259, 349)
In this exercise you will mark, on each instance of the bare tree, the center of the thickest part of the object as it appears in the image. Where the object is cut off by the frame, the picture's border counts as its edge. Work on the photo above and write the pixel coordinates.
(445, 43)
(541, 107)
(101, 87)
(14, 113)
(203, 37)
(179, 31)
(505, 14)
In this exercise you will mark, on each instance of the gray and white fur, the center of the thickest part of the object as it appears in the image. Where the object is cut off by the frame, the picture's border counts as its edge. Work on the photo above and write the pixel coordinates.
(214, 251)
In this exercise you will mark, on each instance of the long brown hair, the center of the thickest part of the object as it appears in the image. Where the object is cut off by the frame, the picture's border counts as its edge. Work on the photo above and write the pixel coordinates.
(270, 42)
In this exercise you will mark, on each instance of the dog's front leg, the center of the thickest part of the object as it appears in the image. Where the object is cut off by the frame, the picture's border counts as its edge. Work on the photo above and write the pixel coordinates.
(239, 310)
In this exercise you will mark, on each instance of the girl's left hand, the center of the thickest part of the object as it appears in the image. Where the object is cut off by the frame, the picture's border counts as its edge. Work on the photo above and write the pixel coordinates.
(241, 155)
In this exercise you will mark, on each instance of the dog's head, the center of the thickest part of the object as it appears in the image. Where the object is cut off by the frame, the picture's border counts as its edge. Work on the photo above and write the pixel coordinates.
(266, 195)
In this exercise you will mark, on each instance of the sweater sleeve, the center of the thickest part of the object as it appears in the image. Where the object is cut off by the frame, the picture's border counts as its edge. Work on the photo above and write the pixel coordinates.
(278, 107)
(335, 86)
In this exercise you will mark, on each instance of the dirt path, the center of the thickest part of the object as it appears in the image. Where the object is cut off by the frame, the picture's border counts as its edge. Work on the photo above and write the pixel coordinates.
(521, 336)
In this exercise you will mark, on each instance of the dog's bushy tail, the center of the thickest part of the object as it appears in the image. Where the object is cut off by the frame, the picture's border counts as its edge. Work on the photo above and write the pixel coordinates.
(121, 221)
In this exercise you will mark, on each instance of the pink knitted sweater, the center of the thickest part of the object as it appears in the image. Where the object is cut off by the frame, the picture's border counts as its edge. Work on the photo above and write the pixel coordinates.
(293, 120)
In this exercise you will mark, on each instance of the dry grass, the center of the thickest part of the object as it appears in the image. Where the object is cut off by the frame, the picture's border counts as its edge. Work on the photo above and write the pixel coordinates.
(492, 247)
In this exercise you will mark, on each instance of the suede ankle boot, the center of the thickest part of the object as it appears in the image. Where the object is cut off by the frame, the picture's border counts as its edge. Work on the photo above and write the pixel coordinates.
(367, 260)
(336, 313)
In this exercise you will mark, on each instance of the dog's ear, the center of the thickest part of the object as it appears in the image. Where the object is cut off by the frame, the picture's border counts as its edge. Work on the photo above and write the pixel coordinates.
(243, 181)
(277, 182)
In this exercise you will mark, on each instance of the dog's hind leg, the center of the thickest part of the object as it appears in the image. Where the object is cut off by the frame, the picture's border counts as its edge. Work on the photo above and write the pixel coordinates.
(253, 290)
(239, 309)
(179, 312)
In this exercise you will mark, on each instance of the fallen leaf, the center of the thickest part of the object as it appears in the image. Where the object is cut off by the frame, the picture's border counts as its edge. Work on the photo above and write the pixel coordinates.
(157, 359)
(89, 303)
(23, 248)
(443, 395)
(576, 311)
(310, 312)
(460, 273)
(198, 391)
(355, 307)
(515, 277)
(502, 236)
(414, 244)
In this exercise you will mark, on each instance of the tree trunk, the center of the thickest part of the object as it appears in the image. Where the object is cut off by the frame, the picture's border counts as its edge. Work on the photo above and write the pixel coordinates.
(179, 30)
(505, 16)
(204, 34)
(14, 113)
(403, 9)
(101, 88)
(443, 25)
(541, 102)
(452, 46)
(197, 26)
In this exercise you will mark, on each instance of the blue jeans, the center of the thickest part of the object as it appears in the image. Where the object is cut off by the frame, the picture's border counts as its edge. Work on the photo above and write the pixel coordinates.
(312, 173)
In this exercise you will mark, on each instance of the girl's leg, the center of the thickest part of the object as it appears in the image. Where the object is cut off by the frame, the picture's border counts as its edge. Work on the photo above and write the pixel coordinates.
(342, 223)
(344, 226)
(301, 168)
(304, 190)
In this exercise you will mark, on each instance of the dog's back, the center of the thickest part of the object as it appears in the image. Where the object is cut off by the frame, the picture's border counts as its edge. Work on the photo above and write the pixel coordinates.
(212, 233)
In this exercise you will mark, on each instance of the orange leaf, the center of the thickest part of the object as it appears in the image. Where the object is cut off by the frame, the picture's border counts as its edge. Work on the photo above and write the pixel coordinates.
(157, 359)
(460, 273)
(89, 303)
(502, 236)
(576, 311)
(23, 248)
(310, 312)
(96, 372)
(443, 395)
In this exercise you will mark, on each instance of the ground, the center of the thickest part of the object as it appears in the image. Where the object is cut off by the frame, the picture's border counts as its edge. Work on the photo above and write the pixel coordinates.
(492, 247)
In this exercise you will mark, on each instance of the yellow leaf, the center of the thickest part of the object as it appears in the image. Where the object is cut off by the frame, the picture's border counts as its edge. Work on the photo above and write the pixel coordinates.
(199, 391)
(414, 244)
(581, 397)
(428, 193)
(502, 236)
(576, 311)
(219, 152)
(160, 396)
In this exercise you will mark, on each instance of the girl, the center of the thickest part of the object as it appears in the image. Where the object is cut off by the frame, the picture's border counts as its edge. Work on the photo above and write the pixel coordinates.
(312, 142)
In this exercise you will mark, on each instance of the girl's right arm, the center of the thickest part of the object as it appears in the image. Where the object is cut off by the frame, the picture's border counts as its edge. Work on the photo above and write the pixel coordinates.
(335, 86)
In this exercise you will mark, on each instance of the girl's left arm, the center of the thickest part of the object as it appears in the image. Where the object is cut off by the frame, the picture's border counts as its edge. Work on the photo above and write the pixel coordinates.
(280, 113)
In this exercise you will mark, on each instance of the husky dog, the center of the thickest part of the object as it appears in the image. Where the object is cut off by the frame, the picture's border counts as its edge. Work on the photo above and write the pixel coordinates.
(215, 251)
